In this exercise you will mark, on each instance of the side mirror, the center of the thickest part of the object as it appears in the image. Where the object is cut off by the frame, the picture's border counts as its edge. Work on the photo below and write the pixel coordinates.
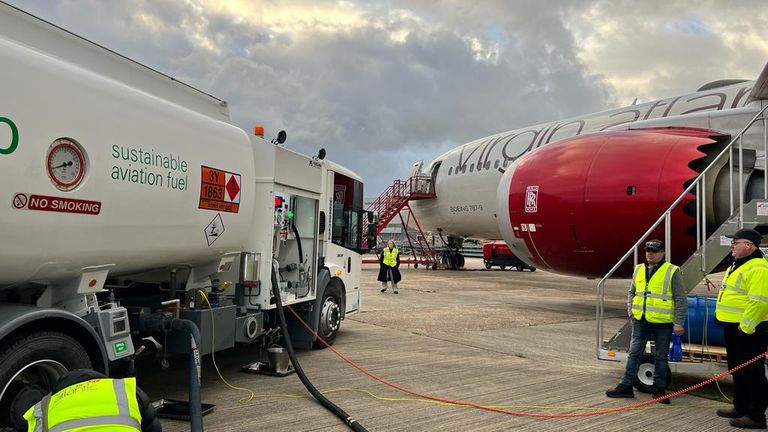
(281, 137)
(371, 235)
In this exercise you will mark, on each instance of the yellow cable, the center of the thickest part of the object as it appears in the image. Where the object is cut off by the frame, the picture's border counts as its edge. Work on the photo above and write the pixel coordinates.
(705, 346)
(244, 399)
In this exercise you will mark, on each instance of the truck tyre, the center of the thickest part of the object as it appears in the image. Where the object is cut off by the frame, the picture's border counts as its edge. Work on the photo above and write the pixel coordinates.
(329, 318)
(34, 362)
(487, 265)
(644, 379)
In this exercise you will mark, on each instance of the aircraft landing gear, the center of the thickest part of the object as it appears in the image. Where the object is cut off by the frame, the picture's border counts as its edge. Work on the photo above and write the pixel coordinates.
(450, 257)
(453, 260)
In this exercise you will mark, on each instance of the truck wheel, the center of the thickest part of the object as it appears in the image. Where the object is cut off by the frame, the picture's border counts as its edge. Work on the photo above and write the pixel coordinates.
(330, 316)
(519, 267)
(30, 365)
(644, 379)
(487, 265)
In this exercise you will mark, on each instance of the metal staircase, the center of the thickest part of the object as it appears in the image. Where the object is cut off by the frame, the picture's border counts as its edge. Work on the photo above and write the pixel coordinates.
(712, 245)
(392, 203)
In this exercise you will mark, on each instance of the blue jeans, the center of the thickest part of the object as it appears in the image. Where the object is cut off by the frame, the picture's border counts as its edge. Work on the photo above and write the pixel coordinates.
(642, 332)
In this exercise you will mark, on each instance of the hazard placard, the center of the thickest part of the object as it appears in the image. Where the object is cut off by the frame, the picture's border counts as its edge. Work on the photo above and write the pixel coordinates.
(219, 190)
(214, 230)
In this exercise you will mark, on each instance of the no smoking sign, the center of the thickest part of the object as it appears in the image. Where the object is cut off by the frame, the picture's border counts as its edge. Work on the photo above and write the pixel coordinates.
(20, 200)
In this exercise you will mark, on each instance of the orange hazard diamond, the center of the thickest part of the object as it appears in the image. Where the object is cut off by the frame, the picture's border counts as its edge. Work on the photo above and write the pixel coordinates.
(233, 188)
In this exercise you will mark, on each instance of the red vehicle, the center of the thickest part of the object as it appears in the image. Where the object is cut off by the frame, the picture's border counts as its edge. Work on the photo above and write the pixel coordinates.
(497, 253)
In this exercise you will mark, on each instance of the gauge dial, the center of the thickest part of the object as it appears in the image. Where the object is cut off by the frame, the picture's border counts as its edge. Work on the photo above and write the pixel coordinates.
(66, 164)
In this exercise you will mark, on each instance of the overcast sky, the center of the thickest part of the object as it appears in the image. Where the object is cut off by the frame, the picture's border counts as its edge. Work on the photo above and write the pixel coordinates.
(381, 84)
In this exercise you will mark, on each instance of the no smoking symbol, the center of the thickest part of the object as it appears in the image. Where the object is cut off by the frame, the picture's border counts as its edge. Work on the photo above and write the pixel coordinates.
(20, 200)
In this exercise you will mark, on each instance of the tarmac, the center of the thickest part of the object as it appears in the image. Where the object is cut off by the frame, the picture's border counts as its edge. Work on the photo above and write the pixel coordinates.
(522, 341)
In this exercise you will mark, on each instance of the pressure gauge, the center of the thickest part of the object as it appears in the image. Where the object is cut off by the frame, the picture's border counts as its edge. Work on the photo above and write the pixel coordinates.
(66, 164)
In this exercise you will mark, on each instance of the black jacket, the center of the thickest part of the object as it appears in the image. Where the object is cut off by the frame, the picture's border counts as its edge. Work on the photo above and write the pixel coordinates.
(385, 270)
(149, 422)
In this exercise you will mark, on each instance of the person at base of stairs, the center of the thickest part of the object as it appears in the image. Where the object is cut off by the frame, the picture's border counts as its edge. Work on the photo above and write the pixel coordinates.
(657, 306)
(389, 266)
(742, 309)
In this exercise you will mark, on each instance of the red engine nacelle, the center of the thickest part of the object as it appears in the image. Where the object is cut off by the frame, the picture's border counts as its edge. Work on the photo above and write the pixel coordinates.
(577, 205)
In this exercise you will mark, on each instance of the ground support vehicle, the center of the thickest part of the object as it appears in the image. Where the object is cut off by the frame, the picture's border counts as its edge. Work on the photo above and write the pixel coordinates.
(497, 253)
(133, 209)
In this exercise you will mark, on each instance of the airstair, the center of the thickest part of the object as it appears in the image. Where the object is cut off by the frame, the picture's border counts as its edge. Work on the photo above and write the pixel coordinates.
(394, 202)
(712, 247)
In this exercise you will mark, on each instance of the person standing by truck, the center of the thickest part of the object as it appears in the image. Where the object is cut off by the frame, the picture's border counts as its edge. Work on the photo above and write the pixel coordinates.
(742, 310)
(389, 267)
(657, 307)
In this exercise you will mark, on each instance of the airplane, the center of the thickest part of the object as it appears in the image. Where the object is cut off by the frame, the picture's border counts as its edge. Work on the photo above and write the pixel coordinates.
(571, 196)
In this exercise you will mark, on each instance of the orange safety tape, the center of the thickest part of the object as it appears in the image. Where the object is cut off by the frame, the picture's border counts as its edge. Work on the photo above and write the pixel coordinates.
(520, 413)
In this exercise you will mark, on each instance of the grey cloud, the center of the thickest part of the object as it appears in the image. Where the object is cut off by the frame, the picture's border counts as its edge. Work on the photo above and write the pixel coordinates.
(377, 104)
(674, 47)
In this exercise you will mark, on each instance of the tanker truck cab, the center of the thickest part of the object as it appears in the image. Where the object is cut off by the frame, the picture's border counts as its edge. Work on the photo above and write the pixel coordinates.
(316, 247)
(140, 215)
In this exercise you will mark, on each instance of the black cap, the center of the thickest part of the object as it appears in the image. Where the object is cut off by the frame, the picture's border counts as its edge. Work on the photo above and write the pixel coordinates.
(654, 245)
(747, 234)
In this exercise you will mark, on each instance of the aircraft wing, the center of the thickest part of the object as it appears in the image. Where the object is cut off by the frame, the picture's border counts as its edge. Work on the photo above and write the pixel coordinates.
(760, 90)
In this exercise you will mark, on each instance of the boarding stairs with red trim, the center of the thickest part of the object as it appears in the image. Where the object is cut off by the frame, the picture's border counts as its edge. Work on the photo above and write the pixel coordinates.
(393, 202)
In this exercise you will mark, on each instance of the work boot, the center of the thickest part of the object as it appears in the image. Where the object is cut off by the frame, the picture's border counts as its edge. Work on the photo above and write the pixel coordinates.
(746, 423)
(728, 413)
(396, 292)
(383, 289)
(658, 392)
(621, 391)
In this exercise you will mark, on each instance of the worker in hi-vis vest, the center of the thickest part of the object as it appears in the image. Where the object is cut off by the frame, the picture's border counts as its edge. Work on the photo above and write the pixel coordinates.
(88, 401)
(657, 306)
(389, 266)
(742, 310)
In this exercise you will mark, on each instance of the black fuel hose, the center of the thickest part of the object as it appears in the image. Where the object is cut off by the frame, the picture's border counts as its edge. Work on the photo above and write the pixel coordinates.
(156, 323)
(324, 401)
(298, 242)
(195, 408)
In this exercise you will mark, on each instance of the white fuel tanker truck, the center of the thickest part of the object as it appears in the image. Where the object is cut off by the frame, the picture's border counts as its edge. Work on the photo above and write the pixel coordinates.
(125, 194)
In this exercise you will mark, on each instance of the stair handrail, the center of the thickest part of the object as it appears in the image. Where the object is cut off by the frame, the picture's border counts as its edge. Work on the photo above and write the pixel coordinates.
(665, 218)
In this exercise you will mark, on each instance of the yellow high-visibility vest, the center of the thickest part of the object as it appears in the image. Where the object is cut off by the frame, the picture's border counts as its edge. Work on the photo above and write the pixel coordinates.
(99, 404)
(743, 296)
(654, 297)
(390, 257)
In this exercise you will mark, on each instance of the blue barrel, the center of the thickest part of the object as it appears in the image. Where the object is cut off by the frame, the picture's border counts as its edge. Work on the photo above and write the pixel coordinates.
(700, 309)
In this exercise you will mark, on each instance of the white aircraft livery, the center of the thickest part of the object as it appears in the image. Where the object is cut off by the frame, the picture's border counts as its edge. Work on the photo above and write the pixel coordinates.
(467, 178)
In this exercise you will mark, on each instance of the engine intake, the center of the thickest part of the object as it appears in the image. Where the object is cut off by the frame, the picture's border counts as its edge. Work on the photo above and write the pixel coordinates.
(575, 206)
